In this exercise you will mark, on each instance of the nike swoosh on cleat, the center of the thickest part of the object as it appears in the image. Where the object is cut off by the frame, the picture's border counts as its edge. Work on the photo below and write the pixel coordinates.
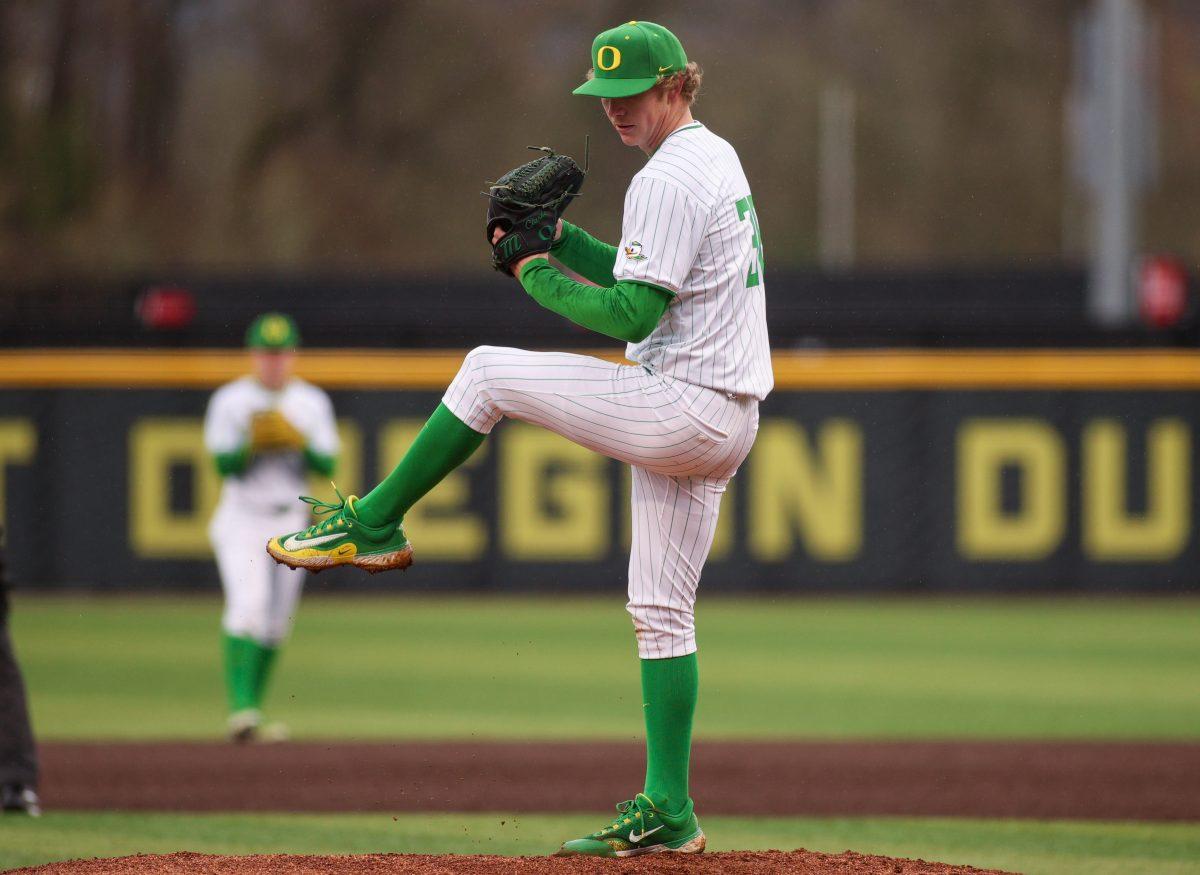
(294, 543)
(637, 837)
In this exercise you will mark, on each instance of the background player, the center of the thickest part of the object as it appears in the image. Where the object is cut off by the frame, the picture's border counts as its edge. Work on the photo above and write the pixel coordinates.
(265, 432)
(685, 289)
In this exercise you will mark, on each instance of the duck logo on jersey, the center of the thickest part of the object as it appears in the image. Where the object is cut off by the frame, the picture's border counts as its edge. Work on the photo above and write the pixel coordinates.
(634, 251)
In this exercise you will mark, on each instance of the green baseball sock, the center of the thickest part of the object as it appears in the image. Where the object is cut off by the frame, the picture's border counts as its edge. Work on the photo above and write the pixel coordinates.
(669, 691)
(441, 446)
(239, 672)
(263, 663)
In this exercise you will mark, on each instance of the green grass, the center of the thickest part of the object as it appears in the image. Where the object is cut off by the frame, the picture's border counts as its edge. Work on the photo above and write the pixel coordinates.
(551, 667)
(1014, 845)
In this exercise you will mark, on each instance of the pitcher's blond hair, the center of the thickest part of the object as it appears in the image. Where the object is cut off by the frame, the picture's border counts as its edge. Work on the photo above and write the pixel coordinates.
(691, 76)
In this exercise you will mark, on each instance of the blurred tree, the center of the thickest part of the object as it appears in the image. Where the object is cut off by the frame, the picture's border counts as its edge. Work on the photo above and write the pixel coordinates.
(356, 135)
(52, 169)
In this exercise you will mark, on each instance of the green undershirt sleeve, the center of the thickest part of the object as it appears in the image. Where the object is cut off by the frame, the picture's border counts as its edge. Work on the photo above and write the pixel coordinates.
(628, 311)
(585, 255)
(319, 463)
(233, 462)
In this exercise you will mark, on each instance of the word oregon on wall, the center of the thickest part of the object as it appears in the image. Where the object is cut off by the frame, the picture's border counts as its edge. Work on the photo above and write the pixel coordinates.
(859, 488)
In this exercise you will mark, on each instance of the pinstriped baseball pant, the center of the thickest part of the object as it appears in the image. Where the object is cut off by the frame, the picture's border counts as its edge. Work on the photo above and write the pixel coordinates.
(684, 443)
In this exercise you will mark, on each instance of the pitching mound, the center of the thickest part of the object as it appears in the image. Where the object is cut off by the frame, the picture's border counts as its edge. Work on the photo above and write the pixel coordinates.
(737, 863)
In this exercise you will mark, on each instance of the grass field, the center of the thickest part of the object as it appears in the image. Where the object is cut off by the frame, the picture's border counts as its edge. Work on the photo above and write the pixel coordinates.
(566, 668)
(1014, 845)
(421, 667)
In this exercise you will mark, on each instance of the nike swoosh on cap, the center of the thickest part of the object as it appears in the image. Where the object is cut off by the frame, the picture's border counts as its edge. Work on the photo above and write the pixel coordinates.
(294, 543)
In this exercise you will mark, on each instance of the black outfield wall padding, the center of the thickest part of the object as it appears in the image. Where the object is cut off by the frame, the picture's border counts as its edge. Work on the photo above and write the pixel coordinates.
(1074, 486)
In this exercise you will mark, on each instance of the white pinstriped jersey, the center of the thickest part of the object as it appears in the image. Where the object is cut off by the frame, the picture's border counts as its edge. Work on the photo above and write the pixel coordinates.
(690, 227)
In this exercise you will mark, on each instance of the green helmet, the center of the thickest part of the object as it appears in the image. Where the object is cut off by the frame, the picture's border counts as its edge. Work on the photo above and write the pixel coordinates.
(272, 331)
(632, 58)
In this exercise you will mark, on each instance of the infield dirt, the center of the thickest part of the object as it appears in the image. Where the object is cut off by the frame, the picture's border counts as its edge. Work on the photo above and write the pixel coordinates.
(1045, 780)
(737, 863)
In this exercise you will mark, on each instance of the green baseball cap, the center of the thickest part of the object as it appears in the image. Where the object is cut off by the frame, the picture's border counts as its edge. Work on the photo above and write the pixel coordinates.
(631, 58)
(273, 331)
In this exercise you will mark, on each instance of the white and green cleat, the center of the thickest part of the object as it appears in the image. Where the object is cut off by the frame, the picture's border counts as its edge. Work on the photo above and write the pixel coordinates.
(342, 539)
(640, 828)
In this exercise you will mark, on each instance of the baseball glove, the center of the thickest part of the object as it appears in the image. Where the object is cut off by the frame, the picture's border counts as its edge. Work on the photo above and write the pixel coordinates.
(526, 203)
(271, 432)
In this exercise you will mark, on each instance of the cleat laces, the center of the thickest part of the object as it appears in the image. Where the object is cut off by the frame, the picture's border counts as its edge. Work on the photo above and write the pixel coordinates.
(628, 811)
(337, 513)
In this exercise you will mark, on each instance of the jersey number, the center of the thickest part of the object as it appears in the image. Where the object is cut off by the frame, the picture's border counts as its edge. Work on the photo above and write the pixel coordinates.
(745, 207)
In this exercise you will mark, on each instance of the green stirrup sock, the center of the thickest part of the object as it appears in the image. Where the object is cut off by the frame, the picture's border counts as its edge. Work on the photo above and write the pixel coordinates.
(441, 446)
(261, 662)
(239, 672)
(669, 691)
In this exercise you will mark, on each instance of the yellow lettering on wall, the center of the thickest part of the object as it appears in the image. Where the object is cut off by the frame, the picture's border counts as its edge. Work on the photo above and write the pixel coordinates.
(18, 444)
(441, 524)
(554, 497)
(816, 492)
(348, 472)
(155, 530)
(985, 448)
(722, 538)
(1110, 532)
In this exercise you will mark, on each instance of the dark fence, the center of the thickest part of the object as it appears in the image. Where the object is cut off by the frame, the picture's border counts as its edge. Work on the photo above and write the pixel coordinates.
(1002, 307)
(1067, 486)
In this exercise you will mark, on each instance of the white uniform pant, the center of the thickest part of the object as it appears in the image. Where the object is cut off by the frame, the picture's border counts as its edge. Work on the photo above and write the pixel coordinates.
(683, 441)
(260, 596)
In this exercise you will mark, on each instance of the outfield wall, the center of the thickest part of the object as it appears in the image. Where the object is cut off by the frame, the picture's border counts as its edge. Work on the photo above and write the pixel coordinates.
(872, 471)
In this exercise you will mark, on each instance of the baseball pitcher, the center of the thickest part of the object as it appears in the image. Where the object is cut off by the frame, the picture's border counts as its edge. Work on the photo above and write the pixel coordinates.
(684, 288)
(265, 432)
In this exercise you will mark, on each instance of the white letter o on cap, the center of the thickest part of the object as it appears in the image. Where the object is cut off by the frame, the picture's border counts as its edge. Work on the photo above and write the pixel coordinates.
(616, 58)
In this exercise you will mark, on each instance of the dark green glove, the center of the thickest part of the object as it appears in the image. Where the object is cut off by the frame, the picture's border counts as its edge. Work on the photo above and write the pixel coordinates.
(526, 203)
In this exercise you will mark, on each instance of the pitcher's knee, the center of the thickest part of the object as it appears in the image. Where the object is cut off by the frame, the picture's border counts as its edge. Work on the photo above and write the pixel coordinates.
(663, 631)
(481, 356)
(465, 397)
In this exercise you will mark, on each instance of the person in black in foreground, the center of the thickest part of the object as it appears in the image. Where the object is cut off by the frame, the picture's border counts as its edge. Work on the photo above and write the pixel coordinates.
(18, 757)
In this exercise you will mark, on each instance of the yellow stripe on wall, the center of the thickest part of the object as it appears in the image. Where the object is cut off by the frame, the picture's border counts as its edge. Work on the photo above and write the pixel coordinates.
(433, 369)
(1010, 369)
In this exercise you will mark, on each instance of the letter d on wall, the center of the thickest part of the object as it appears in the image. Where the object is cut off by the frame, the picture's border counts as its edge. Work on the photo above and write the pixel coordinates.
(985, 531)
(155, 531)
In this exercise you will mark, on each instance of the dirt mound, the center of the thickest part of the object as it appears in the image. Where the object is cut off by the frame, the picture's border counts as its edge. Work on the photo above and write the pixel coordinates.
(800, 862)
